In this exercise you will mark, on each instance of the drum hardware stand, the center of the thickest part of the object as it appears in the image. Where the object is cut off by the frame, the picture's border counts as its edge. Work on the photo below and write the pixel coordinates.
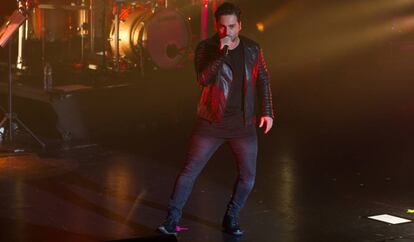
(141, 59)
(140, 51)
(104, 40)
(116, 35)
(83, 28)
(45, 60)
(82, 60)
(22, 35)
(154, 6)
(91, 28)
(15, 21)
(43, 37)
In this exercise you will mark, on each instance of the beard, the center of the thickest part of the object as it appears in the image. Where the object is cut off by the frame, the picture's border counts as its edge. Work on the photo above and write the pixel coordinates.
(232, 37)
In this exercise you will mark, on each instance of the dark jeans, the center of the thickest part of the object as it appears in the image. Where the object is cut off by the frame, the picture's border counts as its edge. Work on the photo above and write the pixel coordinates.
(200, 151)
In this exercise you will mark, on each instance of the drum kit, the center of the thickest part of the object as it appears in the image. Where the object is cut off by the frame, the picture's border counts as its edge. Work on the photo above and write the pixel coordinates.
(137, 33)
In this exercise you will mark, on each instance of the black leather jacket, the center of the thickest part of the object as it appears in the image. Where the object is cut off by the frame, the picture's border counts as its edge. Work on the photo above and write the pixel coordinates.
(215, 76)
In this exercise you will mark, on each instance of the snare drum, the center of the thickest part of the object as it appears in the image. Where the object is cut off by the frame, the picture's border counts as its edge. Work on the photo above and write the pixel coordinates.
(52, 22)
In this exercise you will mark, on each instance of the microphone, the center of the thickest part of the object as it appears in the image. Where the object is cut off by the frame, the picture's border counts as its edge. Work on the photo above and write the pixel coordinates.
(226, 50)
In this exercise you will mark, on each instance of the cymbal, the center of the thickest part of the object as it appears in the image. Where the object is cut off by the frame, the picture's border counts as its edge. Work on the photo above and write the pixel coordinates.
(74, 7)
(64, 7)
(129, 1)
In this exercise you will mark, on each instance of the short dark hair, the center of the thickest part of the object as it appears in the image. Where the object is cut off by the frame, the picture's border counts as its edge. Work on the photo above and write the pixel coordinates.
(228, 9)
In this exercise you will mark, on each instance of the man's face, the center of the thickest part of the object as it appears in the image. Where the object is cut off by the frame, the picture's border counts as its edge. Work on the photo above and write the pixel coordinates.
(228, 25)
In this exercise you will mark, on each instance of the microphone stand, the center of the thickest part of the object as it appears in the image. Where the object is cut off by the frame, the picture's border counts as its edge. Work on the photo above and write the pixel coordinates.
(14, 22)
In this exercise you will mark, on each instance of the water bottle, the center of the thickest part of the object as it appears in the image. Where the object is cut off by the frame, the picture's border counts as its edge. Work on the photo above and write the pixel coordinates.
(47, 77)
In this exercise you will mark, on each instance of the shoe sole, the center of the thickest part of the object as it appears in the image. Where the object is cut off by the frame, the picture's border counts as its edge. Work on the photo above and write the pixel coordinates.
(164, 231)
(233, 233)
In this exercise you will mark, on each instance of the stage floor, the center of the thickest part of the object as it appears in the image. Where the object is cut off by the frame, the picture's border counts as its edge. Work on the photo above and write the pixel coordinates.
(311, 186)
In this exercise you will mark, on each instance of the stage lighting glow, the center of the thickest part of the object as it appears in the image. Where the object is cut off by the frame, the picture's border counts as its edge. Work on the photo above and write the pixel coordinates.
(334, 31)
(390, 219)
(260, 27)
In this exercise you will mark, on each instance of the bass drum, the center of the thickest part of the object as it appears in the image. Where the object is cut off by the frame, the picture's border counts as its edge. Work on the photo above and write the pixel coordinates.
(162, 37)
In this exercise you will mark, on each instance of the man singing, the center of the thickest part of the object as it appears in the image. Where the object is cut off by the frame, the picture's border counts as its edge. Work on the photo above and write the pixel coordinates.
(231, 69)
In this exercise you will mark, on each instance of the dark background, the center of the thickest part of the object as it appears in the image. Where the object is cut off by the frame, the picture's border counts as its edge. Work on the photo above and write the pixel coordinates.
(337, 67)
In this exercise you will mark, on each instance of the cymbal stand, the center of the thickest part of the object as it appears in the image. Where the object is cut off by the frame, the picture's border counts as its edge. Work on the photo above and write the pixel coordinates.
(116, 34)
(10, 116)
